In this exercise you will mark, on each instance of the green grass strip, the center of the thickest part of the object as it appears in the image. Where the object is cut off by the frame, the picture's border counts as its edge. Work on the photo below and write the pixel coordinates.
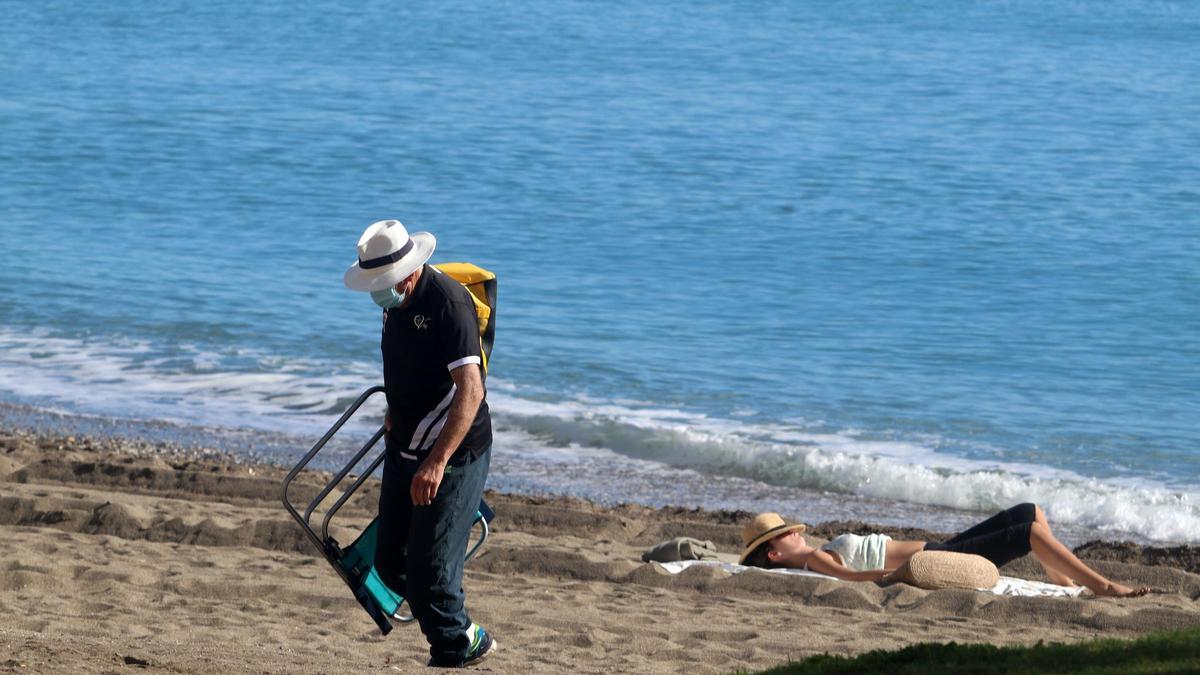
(1168, 652)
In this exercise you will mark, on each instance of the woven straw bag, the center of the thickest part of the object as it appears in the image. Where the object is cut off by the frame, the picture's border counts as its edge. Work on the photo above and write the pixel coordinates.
(946, 569)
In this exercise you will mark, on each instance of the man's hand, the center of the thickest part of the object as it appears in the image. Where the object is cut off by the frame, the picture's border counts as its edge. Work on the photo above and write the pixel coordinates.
(426, 480)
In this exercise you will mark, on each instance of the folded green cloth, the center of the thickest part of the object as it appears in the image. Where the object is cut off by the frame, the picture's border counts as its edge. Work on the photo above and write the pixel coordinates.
(681, 548)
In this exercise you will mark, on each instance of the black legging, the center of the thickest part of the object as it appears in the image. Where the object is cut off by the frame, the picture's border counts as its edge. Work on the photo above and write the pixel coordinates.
(1001, 538)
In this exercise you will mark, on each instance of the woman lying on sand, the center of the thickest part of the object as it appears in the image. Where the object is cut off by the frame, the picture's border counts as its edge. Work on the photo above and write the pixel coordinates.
(1005, 536)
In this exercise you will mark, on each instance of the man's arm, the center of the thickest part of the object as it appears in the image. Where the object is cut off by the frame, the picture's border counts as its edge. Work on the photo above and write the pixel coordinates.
(463, 408)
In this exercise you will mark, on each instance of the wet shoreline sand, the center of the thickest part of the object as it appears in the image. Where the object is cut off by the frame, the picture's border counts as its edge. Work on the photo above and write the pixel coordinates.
(127, 553)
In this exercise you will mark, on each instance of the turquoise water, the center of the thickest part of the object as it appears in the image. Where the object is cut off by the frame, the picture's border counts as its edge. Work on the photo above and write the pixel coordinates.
(917, 260)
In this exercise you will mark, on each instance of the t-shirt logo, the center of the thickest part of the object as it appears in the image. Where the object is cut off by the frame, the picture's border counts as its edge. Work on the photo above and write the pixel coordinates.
(421, 321)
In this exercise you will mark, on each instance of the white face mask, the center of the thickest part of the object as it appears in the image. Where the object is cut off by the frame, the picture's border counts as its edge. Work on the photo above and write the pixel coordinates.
(388, 298)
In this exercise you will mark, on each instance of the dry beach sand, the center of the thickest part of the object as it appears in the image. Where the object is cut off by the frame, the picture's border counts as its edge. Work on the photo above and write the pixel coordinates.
(123, 556)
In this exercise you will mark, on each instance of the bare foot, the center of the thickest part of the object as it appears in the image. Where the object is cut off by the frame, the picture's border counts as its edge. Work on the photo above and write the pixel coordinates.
(1115, 590)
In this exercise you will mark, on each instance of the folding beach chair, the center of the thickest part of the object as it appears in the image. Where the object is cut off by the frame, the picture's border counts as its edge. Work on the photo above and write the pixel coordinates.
(355, 563)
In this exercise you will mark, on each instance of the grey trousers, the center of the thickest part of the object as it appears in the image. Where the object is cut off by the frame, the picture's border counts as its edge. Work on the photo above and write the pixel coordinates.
(421, 548)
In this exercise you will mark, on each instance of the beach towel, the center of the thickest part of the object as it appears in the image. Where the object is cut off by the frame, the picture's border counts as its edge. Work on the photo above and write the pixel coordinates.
(1010, 586)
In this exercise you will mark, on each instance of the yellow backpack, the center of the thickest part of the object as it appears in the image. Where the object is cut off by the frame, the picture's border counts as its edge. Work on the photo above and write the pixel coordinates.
(482, 285)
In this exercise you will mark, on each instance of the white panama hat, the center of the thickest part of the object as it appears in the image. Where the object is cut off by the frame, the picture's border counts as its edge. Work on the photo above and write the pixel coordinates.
(386, 255)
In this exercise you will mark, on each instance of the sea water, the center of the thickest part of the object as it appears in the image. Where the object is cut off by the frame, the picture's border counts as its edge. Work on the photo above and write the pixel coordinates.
(908, 262)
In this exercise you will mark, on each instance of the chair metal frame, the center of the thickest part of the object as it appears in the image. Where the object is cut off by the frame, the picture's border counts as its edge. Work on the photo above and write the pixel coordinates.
(327, 545)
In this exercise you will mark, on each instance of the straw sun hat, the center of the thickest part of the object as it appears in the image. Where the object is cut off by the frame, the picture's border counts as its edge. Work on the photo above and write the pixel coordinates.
(386, 255)
(764, 527)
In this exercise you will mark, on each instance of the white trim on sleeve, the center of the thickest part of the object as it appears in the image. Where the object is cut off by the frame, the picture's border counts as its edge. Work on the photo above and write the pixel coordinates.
(466, 360)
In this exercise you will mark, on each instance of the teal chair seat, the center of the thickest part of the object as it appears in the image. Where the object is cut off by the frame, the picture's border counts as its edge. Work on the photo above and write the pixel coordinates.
(356, 563)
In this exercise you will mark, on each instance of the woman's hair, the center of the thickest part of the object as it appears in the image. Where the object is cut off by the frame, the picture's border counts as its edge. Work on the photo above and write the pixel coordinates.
(759, 557)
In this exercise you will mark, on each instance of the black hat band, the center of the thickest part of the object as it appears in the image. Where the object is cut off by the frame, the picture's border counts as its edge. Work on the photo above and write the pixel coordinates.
(387, 259)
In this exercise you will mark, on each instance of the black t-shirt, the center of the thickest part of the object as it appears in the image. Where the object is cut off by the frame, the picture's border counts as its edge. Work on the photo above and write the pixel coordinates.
(435, 332)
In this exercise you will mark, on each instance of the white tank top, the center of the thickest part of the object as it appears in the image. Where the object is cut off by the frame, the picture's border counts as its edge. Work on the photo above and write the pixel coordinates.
(860, 553)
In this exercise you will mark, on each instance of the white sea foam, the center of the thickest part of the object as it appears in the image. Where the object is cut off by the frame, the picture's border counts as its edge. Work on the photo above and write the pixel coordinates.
(583, 442)
(119, 380)
(850, 464)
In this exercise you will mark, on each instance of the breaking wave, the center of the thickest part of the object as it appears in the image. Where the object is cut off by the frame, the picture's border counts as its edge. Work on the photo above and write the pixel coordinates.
(190, 387)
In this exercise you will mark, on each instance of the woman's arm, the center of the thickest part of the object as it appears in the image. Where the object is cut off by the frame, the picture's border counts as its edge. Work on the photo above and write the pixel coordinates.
(820, 561)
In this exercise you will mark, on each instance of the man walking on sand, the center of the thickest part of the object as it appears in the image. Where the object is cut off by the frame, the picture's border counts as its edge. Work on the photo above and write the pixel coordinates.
(439, 434)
